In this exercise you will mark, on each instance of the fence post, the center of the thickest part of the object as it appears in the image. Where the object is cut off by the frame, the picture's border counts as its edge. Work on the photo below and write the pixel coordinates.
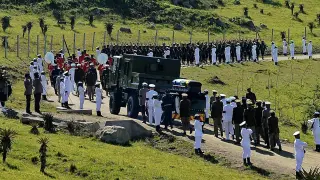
(74, 43)
(272, 35)
(156, 37)
(139, 36)
(84, 41)
(63, 43)
(18, 46)
(173, 37)
(51, 43)
(208, 36)
(104, 37)
(94, 34)
(288, 35)
(5, 46)
(28, 44)
(305, 32)
(37, 44)
(45, 45)
(190, 36)
(118, 36)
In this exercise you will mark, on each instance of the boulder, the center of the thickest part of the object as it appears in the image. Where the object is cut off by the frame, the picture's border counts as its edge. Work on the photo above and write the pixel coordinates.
(125, 30)
(263, 26)
(113, 134)
(74, 111)
(178, 26)
(31, 120)
(89, 127)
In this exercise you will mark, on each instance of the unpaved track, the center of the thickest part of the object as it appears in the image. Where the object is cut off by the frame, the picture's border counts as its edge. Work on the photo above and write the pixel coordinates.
(281, 163)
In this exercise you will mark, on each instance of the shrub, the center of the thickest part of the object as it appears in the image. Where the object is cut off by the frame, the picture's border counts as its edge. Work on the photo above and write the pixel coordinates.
(41, 23)
(34, 129)
(6, 139)
(283, 34)
(255, 6)
(91, 20)
(71, 126)
(72, 22)
(311, 25)
(109, 28)
(29, 26)
(304, 127)
(311, 175)
(58, 15)
(292, 8)
(35, 160)
(287, 3)
(43, 153)
(24, 30)
(5, 23)
(236, 2)
(261, 11)
(246, 11)
(73, 168)
(301, 8)
(48, 122)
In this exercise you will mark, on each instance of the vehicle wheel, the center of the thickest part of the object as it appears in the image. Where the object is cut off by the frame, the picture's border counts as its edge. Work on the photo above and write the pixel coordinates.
(133, 107)
(114, 104)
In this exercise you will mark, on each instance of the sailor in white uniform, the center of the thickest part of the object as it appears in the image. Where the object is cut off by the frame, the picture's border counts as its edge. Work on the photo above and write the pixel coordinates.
(197, 134)
(245, 143)
(299, 149)
(149, 101)
(314, 124)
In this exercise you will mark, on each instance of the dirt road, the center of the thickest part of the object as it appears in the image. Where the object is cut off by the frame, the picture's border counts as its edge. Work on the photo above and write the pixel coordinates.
(282, 163)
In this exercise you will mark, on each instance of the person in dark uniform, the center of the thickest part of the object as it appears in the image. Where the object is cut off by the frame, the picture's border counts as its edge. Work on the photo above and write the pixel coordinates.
(216, 114)
(233, 51)
(54, 74)
(218, 52)
(258, 114)
(273, 126)
(237, 119)
(213, 97)
(265, 127)
(5, 88)
(167, 107)
(185, 108)
(263, 48)
(250, 95)
(28, 92)
(37, 92)
(105, 79)
(258, 44)
(249, 117)
(142, 100)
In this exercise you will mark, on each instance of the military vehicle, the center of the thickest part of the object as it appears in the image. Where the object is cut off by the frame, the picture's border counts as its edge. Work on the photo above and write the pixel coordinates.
(128, 72)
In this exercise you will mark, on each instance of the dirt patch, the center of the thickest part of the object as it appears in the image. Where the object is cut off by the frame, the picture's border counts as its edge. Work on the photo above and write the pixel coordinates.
(216, 80)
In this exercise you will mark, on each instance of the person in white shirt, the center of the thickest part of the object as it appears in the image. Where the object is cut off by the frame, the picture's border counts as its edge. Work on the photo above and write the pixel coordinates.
(227, 119)
(150, 54)
(149, 102)
(98, 51)
(272, 50)
(223, 99)
(81, 92)
(214, 55)
(61, 92)
(98, 92)
(197, 55)
(72, 73)
(304, 46)
(310, 49)
(197, 134)
(285, 47)
(275, 55)
(254, 52)
(166, 53)
(207, 109)
(314, 123)
(246, 144)
(67, 89)
(40, 63)
(44, 83)
(299, 151)
(238, 52)
(292, 49)
(227, 53)
(78, 53)
(31, 70)
(157, 111)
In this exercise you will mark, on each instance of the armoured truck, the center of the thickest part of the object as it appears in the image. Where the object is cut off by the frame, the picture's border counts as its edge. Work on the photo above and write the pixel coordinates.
(128, 72)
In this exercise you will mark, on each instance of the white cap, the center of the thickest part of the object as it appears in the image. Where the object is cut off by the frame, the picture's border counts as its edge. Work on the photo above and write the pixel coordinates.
(196, 115)
(184, 95)
(243, 123)
(267, 102)
(91, 64)
(222, 95)
(296, 133)
(144, 84)
(73, 64)
(316, 113)
(152, 85)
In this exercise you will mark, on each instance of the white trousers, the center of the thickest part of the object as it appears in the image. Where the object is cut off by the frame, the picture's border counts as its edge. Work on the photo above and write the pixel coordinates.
(246, 151)
(238, 57)
(213, 59)
(151, 114)
(81, 97)
(299, 161)
(228, 128)
(44, 88)
(207, 113)
(292, 53)
(197, 142)
(65, 96)
(197, 58)
(157, 116)
(98, 105)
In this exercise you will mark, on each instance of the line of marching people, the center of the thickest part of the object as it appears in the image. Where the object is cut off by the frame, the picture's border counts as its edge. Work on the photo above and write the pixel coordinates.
(247, 120)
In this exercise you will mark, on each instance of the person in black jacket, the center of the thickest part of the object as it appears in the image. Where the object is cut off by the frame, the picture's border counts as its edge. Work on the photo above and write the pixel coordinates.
(216, 114)
(252, 96)
(250, 118)
(167, 107)
(258, 117)
(91, 79)
(237, 119)
(28, 91)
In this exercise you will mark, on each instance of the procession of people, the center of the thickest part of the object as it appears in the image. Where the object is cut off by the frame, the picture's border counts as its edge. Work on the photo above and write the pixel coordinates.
(243, 120)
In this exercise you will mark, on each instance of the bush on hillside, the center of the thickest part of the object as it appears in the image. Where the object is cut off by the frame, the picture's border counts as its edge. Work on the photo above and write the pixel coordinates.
(311, 25)
(5, 21)
(301, 8)
(313, 173)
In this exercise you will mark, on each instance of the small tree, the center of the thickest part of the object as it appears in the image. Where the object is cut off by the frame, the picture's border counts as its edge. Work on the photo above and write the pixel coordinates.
(301, 7)
(292, 8)
(34, 129)
(5, 23)
(109, 28)
(45, 29)
(41, 24)
(296, 15)
(48, 122)
(6, 139)
(91, 20)
(72, 22)
(255, 6)
(311, 25)
(261, 11)
(43, 153)
(29, 26)
(24, 30)
(283, 34)
(246, 11)
(287, 4)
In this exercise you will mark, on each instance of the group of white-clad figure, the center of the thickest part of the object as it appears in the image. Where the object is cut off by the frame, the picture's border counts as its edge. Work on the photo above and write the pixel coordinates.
(36, 66)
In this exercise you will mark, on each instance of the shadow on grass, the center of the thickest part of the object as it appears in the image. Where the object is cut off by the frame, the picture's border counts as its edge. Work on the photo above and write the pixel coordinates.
(11, 166)
(260, 171)
(49, 175)
(262, 151)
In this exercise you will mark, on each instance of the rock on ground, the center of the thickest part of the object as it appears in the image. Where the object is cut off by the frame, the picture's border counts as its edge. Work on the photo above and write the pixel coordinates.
(113, 134)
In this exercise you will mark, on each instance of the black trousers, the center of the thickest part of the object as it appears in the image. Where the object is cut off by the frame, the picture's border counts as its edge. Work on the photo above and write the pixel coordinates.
(28, 100)
(143, 112)
(3, 103)
(37, 98)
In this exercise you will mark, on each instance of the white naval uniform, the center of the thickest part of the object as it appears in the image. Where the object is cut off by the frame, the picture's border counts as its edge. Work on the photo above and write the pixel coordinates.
(315, 127)
(166, 53)
(157, 111)
(275, 55)
(214, 55)
(177, 104)
(197, 55)
(227, 120)
(254, 52)
(31, 72)
(62, 92)
(44, 84)
(207, 105)
(150, 54)
(299, 153)
(227, 54)
(97, 53)
(272, 50)
(98, 92)
(78, 54)
(285, 47)
(304, 46)
(67, 88)
(40, 64)
(198, 133)
(245, 143)
(310, 49)
(81, 96)
(71, 74)
(292, 50)
(238, 52)
(150, 105)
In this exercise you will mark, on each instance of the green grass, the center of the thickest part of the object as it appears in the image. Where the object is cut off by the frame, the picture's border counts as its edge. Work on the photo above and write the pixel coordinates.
(97, 160)
(292, 95)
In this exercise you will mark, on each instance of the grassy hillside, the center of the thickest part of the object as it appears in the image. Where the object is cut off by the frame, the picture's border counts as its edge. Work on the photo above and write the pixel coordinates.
(294, 88)
(97, 160)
